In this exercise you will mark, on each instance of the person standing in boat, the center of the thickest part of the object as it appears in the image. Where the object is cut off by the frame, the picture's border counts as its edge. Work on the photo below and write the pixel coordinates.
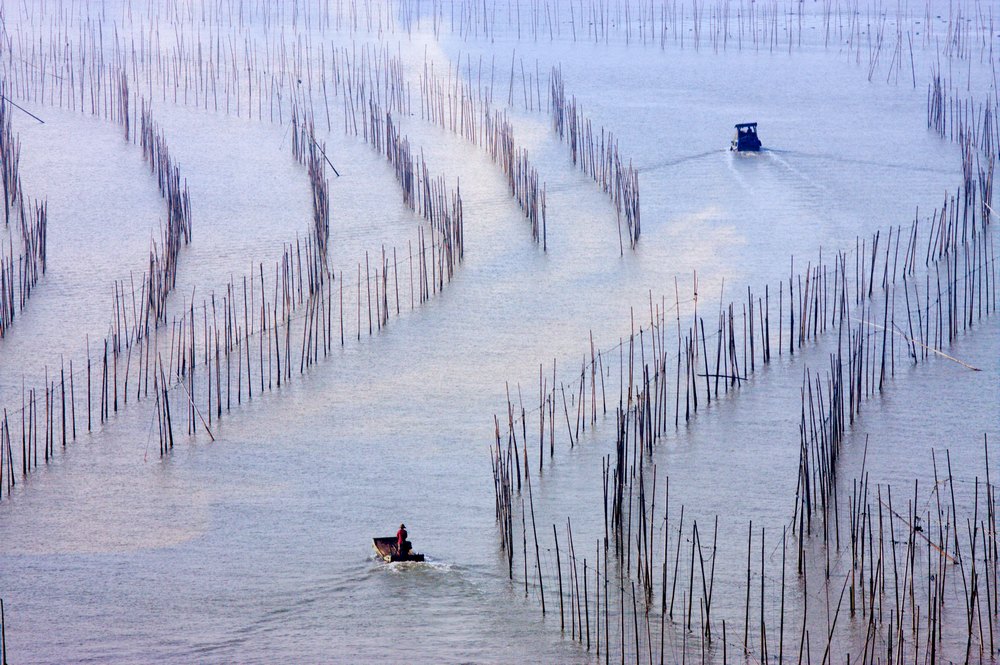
(402, 544)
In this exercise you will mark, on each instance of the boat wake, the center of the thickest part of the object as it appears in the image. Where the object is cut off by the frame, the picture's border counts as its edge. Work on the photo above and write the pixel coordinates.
(740, 179)
(427, 566)
(680, 160)
(840, 159)
(775, 156)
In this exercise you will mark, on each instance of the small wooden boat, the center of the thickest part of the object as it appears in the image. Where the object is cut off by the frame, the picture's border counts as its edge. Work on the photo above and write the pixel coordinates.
(386, 548)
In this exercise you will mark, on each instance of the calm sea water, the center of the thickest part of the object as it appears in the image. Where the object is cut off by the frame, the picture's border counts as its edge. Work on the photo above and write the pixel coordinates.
(256, 547)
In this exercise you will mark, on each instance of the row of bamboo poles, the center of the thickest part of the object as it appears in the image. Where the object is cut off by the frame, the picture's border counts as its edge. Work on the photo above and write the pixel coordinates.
(963, 119)
(307, 150)
(138, 343)
(822, 427)
(265, 77)
(966, 31)
(374, 78)
(426, 195)
(465, 108)
(230, 344)
(75, 63)
(20, 269)
(865, 320)
(720, 25)
(522, 176)
(822, 431)
(250, 339)
(883, 311)
(10, 159)
(114, 104)
(234, 344)
(161, 274)
(957, 253)
(370, 85)
(596, 156)
(293, 67)
(894, 619)
(881, 586)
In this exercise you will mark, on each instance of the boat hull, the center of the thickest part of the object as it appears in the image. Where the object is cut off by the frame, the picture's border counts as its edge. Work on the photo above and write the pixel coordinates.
(746, 145)
(386, 549)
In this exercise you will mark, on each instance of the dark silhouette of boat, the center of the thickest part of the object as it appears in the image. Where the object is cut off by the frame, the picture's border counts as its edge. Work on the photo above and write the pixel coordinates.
(746, 139)
(387, 550)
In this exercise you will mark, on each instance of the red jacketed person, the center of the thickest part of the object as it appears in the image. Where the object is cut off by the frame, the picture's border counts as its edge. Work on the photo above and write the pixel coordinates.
(401, 542)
